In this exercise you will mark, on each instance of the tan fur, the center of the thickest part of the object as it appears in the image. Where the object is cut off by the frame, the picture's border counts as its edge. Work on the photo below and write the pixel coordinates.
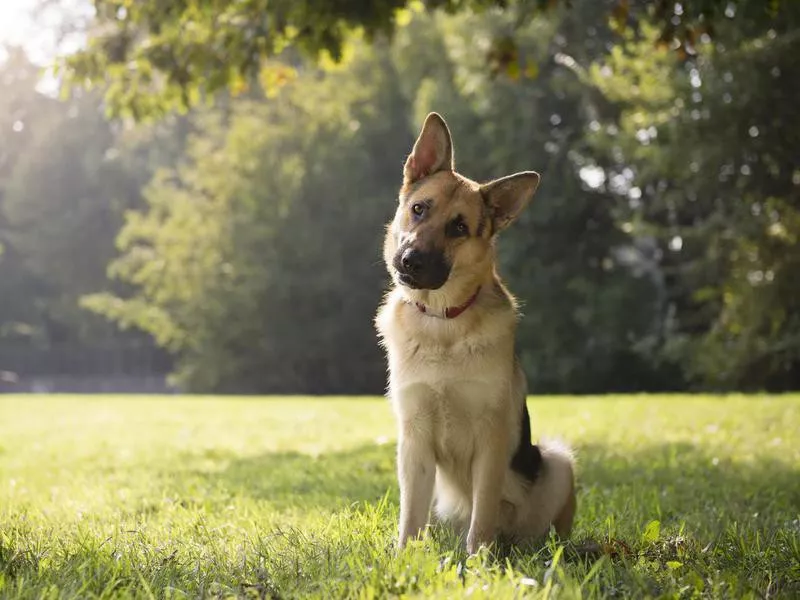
(563, 522)
(455, 384)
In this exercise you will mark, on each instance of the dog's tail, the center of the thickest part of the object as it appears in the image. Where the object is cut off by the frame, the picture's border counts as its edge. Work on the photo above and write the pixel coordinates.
(557, 485)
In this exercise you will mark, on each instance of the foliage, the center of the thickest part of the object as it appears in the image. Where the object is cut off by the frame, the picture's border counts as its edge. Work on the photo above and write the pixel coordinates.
(660, 253)
(55, 206)
(560, 259)
(713, 167)
(158, 497)
(18, 77)
(250, 260)
(151, 55)
(238, 269)
(67, 176)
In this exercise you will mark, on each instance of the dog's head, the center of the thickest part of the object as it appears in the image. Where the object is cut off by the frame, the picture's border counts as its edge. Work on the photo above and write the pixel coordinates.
(442, 234)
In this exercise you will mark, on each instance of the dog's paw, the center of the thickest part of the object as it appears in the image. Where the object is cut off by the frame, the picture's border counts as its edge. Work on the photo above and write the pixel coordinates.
(476, 543)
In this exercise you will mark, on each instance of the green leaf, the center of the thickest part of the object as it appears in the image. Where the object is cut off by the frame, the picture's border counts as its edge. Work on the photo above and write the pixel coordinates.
(651, 532)
(512, 70)
(532, 70)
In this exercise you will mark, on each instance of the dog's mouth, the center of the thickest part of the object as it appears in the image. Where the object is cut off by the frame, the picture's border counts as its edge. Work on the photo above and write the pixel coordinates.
(407, 280)
(421, 283)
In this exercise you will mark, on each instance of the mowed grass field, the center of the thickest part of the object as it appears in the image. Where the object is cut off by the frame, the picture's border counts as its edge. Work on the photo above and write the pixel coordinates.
(164, 497)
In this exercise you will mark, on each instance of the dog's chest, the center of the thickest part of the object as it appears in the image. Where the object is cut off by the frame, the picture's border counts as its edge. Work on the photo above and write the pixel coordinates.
(450, 394)
(457, 417)
(465, 371)
(462, 374)
(449, 415)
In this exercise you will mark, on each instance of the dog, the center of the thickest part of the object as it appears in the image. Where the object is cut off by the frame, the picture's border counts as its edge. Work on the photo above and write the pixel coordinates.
(455, 384)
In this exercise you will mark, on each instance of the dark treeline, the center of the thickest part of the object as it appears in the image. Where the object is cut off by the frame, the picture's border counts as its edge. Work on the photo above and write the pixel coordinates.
(662, 250)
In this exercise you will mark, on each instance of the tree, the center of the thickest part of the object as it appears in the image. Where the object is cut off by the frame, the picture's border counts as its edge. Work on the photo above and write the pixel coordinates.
(661, 247)
(710, 146)
(23, 114)
(251, 262)
(153, 55)
(258, 261)
(586, 312)
(67, 176)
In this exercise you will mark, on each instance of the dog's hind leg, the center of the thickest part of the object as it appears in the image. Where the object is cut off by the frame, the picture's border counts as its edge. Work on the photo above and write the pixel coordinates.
(559, 476)
(563, 522)
(550, 500)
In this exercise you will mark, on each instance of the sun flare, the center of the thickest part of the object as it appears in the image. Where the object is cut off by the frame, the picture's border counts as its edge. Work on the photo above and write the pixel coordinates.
(15, 21)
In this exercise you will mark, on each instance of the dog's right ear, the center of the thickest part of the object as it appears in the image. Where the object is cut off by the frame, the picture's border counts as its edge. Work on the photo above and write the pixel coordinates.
(432, 152)
(507, 196)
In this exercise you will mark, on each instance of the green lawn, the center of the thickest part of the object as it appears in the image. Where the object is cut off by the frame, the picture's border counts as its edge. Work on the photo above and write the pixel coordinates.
(679, 496)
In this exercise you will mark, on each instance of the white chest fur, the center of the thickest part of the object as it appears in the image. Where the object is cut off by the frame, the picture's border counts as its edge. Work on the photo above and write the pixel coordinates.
(449, 378)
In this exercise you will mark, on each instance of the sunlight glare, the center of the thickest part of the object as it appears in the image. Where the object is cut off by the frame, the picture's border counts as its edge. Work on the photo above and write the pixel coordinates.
(40, 31)
(16, 25)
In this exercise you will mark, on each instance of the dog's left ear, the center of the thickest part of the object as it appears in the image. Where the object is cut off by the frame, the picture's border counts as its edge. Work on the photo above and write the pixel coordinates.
(507, 196)
(433, 150)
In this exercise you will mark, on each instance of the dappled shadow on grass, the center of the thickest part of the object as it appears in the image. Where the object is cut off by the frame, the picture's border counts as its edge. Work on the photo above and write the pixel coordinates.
(326, 482)
(685, 483)
(715, 515)
(677, 482)
(352, 547)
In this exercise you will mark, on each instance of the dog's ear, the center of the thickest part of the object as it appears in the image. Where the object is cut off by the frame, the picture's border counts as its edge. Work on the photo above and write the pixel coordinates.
(507, 196)
(433, 150)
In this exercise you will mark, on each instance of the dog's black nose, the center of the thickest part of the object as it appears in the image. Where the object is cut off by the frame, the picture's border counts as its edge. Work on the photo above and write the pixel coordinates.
(419, 269)
(411, 260)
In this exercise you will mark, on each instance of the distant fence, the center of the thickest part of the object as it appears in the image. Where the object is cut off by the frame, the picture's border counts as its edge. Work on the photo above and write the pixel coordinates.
(114, 367)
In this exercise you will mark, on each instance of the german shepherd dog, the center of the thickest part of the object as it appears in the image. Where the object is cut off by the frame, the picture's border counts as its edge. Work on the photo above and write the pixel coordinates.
(455, 384)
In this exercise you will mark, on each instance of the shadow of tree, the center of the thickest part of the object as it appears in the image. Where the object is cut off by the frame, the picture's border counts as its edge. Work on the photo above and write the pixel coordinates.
(684, 482)
(672, 482)
(326, 482)
(678, 481)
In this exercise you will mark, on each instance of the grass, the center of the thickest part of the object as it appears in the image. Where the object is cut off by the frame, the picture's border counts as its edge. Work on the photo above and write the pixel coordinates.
(679, 497)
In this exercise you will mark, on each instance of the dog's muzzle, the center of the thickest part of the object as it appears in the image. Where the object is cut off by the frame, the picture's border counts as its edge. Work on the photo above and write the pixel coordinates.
(421, 270)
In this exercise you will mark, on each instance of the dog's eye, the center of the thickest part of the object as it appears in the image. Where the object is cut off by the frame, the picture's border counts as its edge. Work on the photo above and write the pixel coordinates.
(457, 228)
(418, 208)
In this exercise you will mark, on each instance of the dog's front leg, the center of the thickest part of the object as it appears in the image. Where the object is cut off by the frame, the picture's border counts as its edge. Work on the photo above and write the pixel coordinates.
(488, 474)
(416, 469)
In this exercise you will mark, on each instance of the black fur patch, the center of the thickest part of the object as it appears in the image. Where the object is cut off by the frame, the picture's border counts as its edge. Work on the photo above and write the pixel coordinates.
(527, 460)
(451, 230)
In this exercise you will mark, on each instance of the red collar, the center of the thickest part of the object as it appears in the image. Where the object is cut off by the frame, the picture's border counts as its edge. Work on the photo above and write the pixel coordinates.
(452, 311)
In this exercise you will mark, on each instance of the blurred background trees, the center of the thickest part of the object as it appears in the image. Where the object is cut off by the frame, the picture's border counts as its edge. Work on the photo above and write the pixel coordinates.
(220, 195)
